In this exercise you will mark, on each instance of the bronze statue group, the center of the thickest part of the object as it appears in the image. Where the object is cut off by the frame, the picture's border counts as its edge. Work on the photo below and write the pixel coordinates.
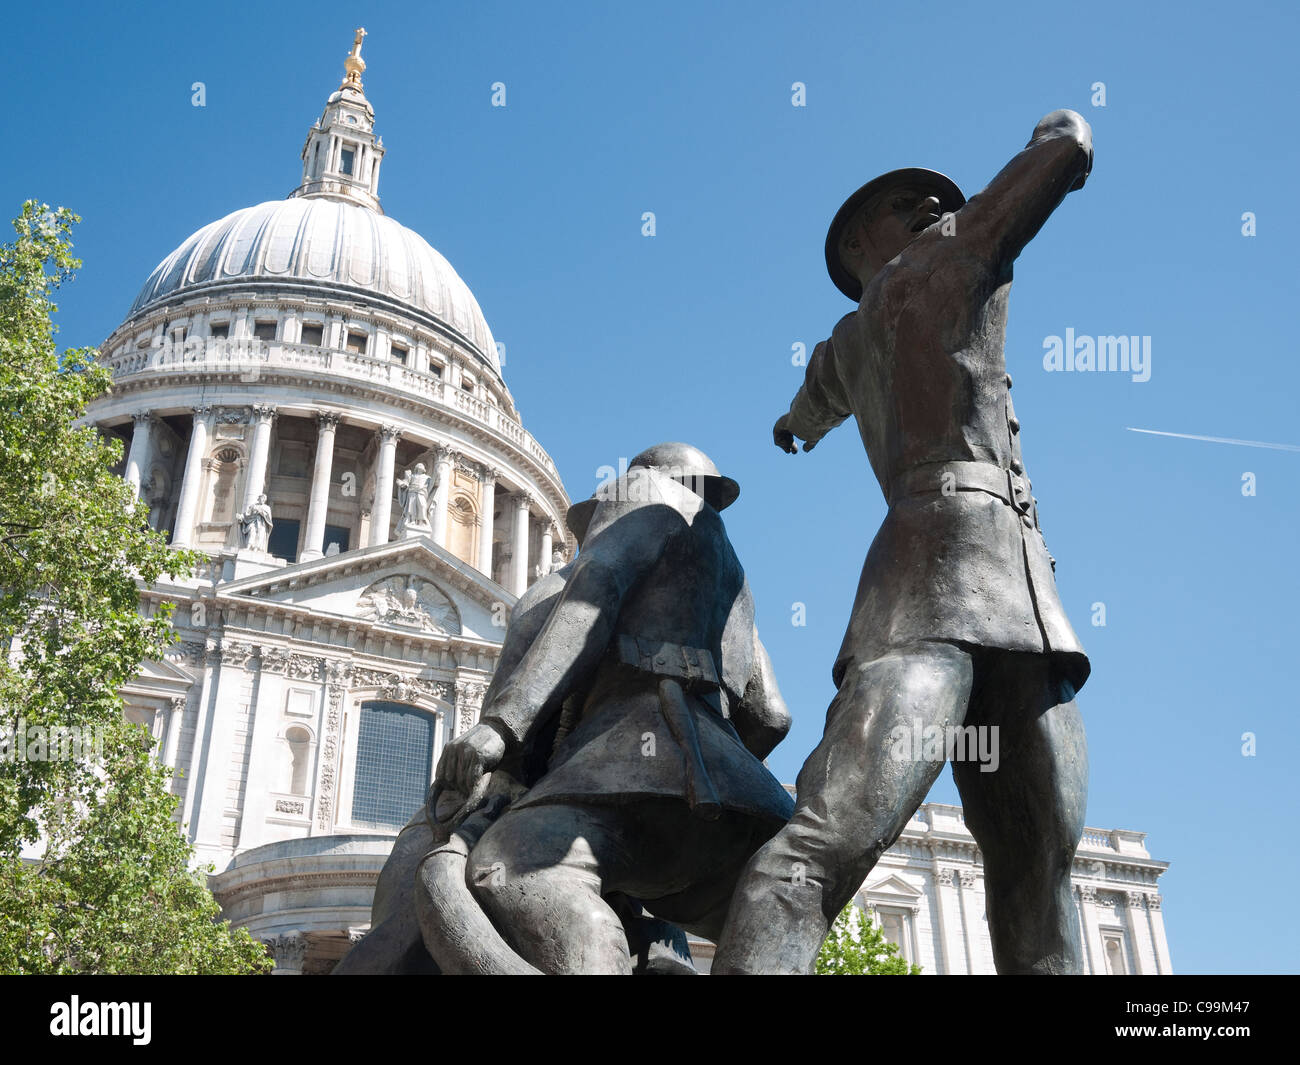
(613, 796)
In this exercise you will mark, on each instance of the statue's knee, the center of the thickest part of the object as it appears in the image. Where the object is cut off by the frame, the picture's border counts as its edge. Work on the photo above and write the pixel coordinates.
(816, 849)
(488, 870)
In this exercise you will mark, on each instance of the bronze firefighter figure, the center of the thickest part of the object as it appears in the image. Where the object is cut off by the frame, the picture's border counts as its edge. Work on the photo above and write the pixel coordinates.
(617, 765)
(957, 621)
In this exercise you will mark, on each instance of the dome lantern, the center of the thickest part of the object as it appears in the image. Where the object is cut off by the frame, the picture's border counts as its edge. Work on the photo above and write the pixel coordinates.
(341, 158)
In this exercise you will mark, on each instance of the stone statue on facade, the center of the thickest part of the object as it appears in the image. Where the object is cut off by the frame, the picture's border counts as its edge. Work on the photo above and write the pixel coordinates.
(255, 526)
(556, 561)
(957, 625)
(633, 704)
(413, 492)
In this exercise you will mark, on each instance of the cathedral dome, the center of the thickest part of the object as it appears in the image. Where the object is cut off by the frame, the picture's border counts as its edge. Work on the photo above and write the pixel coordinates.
(328, 247)
(313, 350)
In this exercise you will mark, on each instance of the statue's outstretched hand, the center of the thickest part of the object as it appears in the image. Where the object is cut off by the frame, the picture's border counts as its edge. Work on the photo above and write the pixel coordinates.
(1068, 124)
(782, 436)
(468, 758)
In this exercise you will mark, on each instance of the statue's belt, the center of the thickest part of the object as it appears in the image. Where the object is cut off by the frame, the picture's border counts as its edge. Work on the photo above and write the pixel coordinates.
(950, 477)
(693, 666)
(680, 669)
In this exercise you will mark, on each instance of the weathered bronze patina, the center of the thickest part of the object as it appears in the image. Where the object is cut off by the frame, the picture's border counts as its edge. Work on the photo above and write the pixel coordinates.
(957, 621)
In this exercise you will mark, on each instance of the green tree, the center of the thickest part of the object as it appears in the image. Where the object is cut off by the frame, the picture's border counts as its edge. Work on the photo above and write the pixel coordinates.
(95, 876)
(856, 947)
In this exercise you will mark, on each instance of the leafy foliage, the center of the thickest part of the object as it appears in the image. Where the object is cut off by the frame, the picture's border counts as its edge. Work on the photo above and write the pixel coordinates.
(856, 947)
(109, 889)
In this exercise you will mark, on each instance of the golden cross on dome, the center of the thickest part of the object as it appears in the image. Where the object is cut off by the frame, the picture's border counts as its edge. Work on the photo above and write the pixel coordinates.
(354, 64)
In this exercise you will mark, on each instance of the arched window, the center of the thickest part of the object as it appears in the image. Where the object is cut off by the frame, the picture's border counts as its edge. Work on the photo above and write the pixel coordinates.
(394, 764)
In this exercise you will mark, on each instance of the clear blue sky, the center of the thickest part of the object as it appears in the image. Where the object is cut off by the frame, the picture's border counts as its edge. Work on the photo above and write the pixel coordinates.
(616, 341)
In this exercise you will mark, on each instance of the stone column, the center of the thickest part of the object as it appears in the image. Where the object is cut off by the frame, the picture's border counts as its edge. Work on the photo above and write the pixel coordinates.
(211, 665)
(382, 512)
(1091, 931)
(138, 457)
(1139, 933)
(444, 462)
(317, 509)
(1159, 940)
(544, 565)
(187, 508)
(289, 951)
(263, 418)
(238, 663)
(969, 915)
(172, 741)
(486, 511)
(519, 574)
(942, 880)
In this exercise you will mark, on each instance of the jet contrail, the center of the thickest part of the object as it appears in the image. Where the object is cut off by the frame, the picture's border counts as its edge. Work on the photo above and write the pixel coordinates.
(1219, 439)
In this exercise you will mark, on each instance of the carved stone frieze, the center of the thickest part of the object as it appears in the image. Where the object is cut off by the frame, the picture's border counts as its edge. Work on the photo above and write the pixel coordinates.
(397, 686)
(274, 659)
(188, 652)
(303, 667)
(337, 676)
(469, 701)
(237, 653)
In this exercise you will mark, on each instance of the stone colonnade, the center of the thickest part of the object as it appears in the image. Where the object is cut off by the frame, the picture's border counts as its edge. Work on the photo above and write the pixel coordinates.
(526, 506)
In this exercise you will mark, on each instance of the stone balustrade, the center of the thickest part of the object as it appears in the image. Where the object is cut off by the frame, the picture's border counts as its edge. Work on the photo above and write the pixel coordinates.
(248, 359)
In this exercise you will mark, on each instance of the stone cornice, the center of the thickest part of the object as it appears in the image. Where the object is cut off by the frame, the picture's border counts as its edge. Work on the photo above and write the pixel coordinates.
(337, 625)
(294, 882)
(449, 570)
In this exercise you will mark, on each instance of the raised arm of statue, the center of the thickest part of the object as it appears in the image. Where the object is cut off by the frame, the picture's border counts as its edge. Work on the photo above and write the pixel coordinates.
(1001, 220)
(818, 407)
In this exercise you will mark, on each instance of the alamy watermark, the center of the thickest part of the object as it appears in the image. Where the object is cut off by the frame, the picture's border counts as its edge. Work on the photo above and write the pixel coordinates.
(122, 1019)
(169, 351)
(53, 743)
(952, 743)
(1083, 354)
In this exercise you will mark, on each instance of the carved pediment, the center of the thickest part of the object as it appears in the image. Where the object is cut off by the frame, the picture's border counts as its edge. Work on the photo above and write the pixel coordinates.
(406, 600)
(893, 885)
(329, 583)
(172, 670)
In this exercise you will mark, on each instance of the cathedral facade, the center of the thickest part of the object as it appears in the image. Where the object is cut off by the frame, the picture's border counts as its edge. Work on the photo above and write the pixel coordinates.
(310, 395)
